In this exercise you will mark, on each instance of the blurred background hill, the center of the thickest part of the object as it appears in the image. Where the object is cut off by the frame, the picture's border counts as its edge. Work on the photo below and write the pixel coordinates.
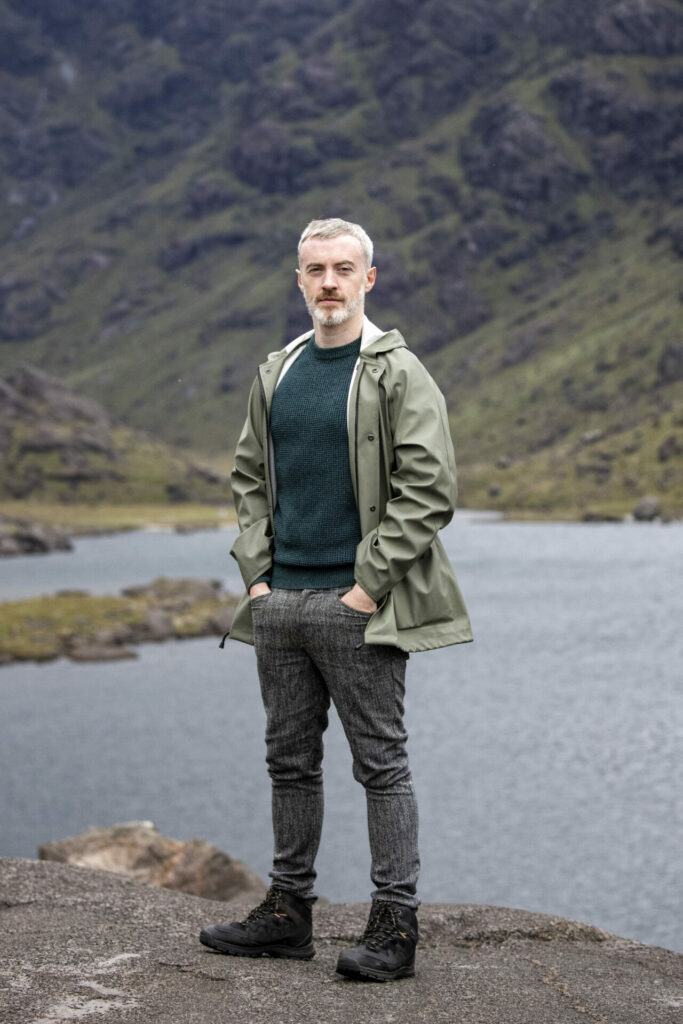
(519, 164)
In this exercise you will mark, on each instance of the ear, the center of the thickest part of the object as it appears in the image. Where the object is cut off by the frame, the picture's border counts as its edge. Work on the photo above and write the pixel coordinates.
(370, 279)
(298, 279)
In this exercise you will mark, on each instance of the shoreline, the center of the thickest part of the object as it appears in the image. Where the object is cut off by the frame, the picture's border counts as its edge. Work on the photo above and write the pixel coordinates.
(107, 520)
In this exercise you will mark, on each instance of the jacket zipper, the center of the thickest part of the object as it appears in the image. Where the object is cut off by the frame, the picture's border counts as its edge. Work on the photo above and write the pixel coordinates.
(267, 445)
(355, 439)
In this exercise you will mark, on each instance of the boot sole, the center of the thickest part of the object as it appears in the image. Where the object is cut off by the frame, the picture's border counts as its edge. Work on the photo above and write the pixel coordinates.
(352, 970)
(306, 952)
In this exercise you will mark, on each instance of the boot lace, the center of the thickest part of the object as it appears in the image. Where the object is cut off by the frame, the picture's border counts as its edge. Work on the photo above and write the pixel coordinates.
(383, 926)
(268, 907)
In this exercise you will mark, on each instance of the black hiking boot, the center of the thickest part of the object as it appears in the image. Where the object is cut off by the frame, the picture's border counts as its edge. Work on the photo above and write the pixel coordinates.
(279, 926)
(387, 949)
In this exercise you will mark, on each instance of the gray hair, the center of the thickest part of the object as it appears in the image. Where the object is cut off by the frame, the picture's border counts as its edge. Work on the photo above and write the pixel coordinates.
(332, 228)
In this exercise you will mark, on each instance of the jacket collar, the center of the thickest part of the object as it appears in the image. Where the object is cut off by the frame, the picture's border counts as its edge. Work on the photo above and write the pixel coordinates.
(370, 333)
(289, 353)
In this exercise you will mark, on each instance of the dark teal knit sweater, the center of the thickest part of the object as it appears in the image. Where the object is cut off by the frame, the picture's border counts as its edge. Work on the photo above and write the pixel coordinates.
(317, 527)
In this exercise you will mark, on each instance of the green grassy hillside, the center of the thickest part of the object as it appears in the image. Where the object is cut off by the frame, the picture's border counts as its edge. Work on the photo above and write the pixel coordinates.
(519, 167)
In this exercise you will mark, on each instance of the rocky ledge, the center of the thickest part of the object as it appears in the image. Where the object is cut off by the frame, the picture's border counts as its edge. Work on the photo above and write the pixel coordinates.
(86, 945)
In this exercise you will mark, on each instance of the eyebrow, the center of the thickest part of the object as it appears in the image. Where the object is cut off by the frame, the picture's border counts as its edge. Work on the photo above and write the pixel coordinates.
(340, 263)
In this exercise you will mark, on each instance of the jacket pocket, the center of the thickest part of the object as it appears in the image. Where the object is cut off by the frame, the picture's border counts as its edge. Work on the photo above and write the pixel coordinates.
(429, 593)
(253, 550)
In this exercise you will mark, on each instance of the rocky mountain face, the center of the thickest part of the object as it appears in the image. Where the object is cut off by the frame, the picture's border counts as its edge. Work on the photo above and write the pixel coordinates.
(518, 162)
(58, 445)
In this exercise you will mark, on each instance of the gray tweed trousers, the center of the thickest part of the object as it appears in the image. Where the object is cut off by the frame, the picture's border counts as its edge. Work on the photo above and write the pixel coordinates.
(310, 649)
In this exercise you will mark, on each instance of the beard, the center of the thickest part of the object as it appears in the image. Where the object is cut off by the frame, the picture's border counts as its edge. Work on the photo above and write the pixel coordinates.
(336, 317)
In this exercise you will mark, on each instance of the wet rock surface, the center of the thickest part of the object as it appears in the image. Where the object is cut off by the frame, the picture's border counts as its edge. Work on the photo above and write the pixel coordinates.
(80, 944)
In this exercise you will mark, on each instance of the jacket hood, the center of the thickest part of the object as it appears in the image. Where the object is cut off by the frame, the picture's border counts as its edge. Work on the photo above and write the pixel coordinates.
(385, 342)
(373, 341)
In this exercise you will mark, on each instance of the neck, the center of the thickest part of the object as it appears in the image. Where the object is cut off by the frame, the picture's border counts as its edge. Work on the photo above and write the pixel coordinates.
(339, 334)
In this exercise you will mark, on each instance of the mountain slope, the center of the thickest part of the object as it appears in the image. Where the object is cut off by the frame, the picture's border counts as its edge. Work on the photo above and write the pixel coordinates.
(519, 164)
(57, 446)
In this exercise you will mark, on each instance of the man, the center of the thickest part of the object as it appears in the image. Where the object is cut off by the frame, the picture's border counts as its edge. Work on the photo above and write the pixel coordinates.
(344, 474)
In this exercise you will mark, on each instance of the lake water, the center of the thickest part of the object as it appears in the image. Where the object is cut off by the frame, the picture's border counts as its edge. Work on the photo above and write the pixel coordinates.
(546, 755)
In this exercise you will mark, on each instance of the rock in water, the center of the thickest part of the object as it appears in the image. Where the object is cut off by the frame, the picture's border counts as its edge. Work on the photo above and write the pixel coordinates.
(138, 850)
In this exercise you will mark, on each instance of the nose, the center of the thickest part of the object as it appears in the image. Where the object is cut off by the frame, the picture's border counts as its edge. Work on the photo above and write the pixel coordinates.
(329, 281)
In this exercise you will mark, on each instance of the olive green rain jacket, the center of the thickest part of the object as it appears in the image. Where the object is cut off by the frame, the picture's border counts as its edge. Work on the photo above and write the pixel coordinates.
(403, 473)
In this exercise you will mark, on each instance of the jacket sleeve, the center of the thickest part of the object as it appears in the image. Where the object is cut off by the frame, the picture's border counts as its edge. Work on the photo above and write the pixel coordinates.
(253, 549)
(423, 483)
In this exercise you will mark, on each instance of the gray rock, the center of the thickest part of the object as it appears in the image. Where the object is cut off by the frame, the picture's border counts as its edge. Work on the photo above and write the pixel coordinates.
(647, 509)
(137, 849)
(221, 621)
(592, 515)
(119, 634)
(94, 651)
(21, 537)
(9, 545)
(159, 624)
(88, 945)
(670, 365)
(669, 448)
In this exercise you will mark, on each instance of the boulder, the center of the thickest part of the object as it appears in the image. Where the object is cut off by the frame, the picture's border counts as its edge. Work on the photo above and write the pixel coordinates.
(647, 509)
(137, 849)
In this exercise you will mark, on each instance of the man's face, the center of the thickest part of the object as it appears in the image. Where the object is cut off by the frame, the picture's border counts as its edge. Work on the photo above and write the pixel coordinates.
(334, 279)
